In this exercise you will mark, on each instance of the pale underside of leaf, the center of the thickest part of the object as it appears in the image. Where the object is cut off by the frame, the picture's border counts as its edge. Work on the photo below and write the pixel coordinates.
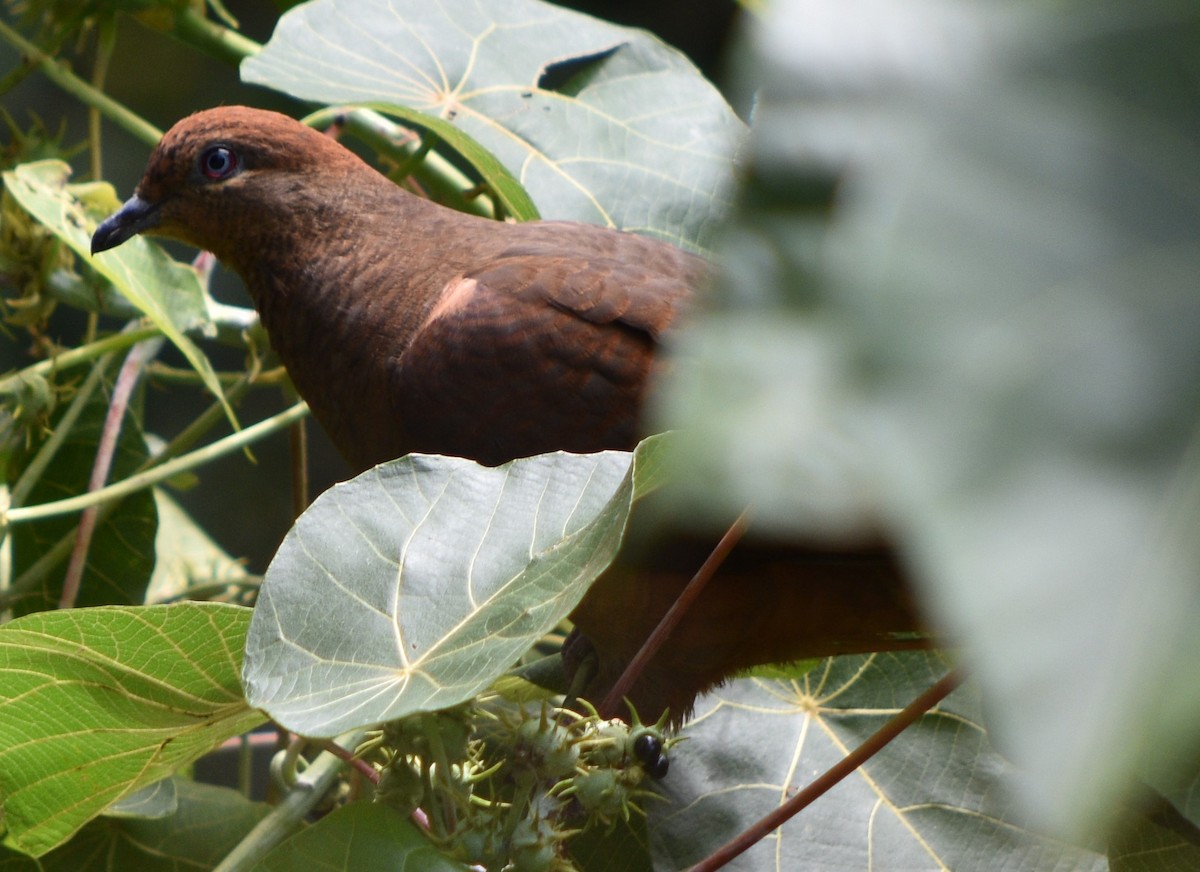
(415, 585)
(637, 139)
(933, 799)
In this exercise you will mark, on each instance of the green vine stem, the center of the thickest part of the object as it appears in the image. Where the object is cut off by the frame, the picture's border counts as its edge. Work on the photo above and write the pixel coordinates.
(215, 39)
(105, 45)
(60, 75)
(394, 140)
(58, 552)
(228, 445)
(191, 434)
(37, 466)
(76, 356)
(165, 374)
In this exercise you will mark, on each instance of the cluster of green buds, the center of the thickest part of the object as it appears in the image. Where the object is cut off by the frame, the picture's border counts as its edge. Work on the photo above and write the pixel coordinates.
(504, 786)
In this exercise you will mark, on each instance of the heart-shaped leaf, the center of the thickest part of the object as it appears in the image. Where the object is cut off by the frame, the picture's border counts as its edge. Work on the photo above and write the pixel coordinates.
(100, 702)
(415, 585)
(600, 123)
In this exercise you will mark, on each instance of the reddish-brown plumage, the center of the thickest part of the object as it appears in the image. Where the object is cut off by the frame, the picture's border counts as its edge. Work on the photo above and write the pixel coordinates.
(410, 327)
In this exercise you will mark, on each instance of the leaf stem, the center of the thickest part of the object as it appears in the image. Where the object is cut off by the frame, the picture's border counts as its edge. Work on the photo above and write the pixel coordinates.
(298, 443)
(105, 44)
(392, 139)
(365, 769)
(163, 373)
(32, 473)
(687, 597)
(219, 41)
(57, 552)
(60, 75)
(820, 786)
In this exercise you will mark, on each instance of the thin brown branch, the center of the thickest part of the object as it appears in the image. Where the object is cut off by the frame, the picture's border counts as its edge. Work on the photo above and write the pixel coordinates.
(298, 440)
(364, 768)
(127, 378)
(674, 615)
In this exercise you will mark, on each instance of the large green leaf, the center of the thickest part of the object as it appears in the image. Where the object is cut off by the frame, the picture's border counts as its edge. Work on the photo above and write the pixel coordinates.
(169, 293)
(415, 585)
(933, 799)
(600, 123)
(97, 703)
(1003, 316)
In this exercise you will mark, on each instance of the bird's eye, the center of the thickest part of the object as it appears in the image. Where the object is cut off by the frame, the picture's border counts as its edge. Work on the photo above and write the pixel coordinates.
(218, 162)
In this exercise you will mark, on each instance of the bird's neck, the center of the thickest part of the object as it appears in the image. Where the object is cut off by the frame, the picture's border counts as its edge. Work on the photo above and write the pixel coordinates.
(342, 286)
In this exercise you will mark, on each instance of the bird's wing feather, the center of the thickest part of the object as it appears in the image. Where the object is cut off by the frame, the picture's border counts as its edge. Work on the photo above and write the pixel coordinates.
(528, 355)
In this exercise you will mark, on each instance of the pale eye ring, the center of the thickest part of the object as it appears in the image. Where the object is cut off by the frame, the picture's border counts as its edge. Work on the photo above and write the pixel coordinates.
(218, 162)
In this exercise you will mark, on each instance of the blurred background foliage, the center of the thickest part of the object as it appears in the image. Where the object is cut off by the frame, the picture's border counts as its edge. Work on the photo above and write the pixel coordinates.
(961, 300)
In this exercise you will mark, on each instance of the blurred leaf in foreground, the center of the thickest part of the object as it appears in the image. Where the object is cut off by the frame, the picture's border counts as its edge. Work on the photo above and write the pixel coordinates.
(1000, 318)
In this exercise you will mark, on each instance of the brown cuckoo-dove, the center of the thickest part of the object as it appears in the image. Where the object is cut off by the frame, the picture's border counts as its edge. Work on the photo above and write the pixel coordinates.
(408, 326)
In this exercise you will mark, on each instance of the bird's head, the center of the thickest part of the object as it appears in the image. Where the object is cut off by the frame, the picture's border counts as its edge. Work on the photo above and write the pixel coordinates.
(217, 175)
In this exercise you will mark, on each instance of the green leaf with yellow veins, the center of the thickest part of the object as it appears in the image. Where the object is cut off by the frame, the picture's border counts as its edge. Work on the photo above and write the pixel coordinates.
(100, 702)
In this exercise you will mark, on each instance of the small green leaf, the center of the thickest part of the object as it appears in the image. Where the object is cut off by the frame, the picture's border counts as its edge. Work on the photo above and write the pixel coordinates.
(185, 555)
(359, 836)
(101, 702)
(415, 585)
(167, 292)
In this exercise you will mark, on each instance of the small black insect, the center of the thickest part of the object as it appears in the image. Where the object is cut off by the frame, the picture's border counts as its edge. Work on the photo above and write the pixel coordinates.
(648, 748)
(658, 769)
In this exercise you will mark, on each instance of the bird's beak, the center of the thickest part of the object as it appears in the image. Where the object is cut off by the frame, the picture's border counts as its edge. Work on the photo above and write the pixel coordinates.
(131, 219)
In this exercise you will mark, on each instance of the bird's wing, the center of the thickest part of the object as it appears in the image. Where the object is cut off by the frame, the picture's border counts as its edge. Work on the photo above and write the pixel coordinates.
(535, 354)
